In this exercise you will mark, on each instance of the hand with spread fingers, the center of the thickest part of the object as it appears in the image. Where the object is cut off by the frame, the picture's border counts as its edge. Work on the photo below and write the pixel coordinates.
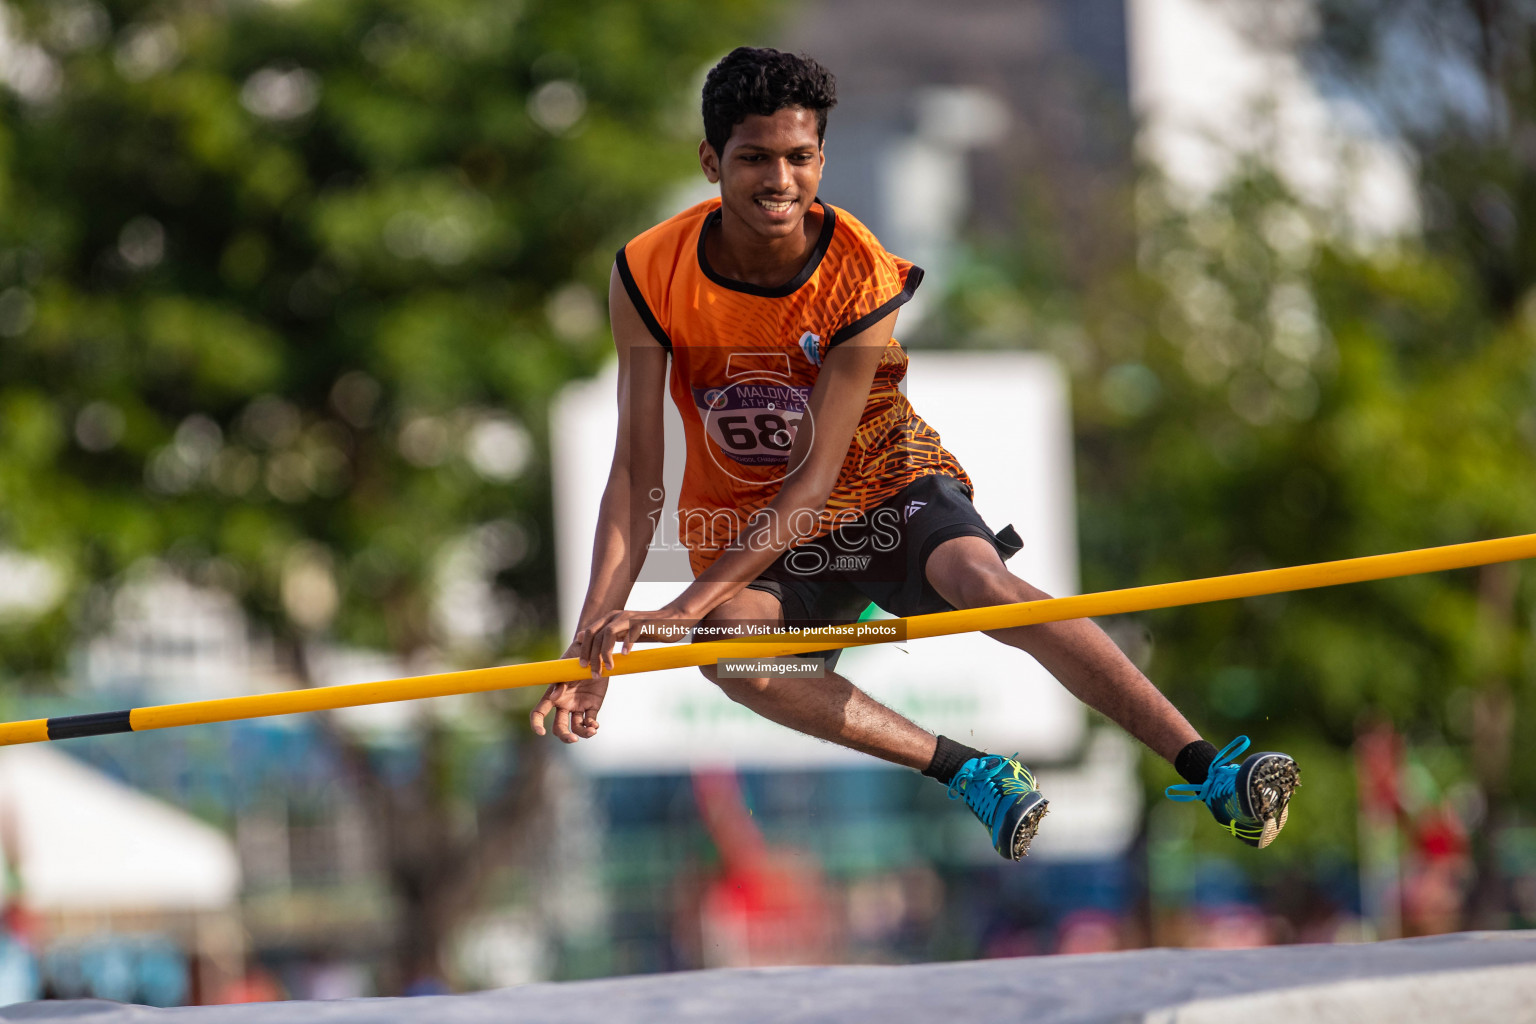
(576, 704)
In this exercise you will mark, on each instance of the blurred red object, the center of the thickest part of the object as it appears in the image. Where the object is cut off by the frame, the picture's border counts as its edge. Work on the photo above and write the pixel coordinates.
(257, 985)
(1230, 926)
(766, 907)
(1089, 931)
(1440, 835)
(1378, 759)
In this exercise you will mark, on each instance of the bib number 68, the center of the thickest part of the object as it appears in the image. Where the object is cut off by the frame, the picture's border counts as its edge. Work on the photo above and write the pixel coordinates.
(767, 430)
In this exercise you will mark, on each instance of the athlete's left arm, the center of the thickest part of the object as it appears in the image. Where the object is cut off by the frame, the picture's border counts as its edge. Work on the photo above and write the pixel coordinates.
(833, 411)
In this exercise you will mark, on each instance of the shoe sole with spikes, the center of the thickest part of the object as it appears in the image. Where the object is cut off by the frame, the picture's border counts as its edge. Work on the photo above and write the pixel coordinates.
(1265, 784)
(1020, 826)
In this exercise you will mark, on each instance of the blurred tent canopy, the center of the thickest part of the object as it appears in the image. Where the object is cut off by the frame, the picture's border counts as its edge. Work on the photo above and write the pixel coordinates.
(54, 812)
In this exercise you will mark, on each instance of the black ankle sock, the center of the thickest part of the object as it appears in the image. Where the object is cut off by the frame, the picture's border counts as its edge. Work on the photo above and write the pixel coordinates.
(948, 756)
(1194, 761)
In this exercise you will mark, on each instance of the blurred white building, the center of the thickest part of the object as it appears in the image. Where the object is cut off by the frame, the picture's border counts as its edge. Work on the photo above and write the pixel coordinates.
(980, 117)
(1011, 118)
(1213, 81)
(168, 640)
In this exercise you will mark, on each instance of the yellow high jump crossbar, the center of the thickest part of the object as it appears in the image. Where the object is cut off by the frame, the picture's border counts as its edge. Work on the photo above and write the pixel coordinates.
(1004, 616)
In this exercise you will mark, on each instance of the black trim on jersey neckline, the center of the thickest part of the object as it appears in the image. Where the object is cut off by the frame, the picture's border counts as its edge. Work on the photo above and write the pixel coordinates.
(901, 298)
(823, 241)
(641, 306)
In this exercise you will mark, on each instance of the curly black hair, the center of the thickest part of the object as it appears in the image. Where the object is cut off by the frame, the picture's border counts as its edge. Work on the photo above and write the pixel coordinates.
(752, 80)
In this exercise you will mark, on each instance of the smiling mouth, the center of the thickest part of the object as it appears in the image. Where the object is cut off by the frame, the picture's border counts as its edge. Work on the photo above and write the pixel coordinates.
(776, 205)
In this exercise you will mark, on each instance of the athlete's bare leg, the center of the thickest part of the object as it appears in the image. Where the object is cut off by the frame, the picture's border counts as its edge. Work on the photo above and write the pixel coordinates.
(829, 708)
(967, 572)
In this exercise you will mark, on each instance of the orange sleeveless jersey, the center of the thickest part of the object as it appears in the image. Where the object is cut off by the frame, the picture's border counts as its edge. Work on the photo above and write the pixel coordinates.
(744, 360)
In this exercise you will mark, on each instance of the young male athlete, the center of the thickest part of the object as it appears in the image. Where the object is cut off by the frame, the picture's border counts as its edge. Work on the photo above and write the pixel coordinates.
(777, 311)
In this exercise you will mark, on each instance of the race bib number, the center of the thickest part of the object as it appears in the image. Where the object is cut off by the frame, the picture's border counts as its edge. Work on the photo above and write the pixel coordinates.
(754, 423)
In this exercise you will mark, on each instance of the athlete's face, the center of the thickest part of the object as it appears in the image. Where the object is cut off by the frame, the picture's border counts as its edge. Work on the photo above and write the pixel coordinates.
(770, 170)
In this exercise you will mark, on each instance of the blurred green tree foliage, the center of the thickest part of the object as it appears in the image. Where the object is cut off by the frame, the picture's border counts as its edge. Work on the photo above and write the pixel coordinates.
(287, 287)
(1257, 392)
(1261, 388)
(1457, 82)
(285, 291)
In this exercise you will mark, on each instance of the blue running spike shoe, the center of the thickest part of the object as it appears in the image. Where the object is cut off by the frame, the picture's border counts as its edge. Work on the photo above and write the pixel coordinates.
(1001, 792)
(1251, 800)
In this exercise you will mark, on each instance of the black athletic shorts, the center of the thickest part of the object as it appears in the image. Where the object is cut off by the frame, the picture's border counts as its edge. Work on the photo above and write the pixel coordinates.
(879, 557)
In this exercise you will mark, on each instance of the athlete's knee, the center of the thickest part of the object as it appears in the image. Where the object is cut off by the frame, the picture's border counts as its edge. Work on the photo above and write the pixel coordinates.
(994, 586)
(742, 691)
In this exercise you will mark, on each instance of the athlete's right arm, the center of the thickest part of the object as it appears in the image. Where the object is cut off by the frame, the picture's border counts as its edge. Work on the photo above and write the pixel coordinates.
(630, 508)
(632, 501)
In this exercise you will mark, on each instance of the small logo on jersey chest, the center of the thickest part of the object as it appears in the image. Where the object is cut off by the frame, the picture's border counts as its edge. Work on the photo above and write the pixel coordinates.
(912, 509)
(810, 344)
